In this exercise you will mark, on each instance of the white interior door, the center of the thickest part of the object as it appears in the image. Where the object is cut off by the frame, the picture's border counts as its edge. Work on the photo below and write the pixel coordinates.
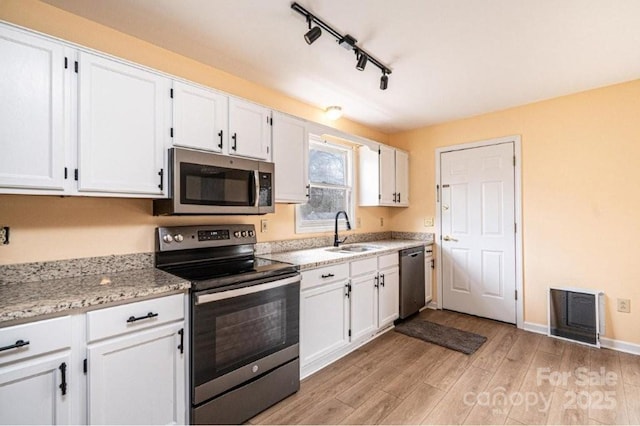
(477, 213)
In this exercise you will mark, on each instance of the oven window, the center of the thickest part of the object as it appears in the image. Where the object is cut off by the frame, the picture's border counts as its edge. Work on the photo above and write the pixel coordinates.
(245, 334)
(230, 333)
(217, 186)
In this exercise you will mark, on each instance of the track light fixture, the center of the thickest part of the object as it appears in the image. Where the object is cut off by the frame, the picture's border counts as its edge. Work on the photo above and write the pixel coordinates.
(384, 81)
(346, 41)
(313, 34)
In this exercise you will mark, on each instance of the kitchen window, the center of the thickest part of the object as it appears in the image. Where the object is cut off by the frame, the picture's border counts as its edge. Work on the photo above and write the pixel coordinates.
(330, 187)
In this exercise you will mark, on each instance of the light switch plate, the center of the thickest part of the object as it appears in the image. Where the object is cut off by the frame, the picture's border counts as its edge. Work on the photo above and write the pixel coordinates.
(428, 221)
(264, 226)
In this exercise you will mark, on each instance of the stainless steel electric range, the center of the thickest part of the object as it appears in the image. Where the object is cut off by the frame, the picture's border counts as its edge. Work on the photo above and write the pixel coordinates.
(244, 320)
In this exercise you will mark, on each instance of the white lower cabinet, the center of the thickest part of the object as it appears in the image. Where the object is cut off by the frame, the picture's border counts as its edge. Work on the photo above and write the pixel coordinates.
(35, 371)
(342, 306)
(135, 369)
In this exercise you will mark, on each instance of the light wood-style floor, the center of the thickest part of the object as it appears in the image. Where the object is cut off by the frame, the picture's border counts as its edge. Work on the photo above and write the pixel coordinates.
(516, 377)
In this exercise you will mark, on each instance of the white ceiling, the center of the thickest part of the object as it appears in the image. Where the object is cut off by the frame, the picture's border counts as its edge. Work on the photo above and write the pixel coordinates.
(450, 58)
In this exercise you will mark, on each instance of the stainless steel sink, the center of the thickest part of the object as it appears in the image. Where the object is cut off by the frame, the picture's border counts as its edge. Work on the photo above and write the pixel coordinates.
(353, 248)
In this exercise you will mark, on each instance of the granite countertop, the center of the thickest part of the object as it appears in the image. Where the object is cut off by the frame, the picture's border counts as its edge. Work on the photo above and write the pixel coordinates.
(316, 257)
(24, 301)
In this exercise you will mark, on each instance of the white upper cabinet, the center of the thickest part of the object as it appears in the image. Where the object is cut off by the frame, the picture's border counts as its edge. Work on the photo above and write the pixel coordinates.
(290, 155)
(384, 177)
(122, 127)
(249, 129)
(199, 118)
(32, 112)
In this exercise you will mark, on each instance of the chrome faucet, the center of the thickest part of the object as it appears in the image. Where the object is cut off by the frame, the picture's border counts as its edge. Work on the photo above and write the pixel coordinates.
(336, 241)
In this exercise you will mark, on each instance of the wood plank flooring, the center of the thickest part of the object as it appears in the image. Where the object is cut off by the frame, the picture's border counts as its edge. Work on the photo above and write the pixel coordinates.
(516, 377)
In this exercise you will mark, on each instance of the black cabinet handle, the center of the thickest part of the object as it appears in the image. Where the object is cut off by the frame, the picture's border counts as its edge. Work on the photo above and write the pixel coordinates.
(161, 174)
(308, 191)
(220, 144)
(327, 275)
(63, 372)
(149, 315)
(18, 344)
(398, 197)
(394, 197)
(382, 280)
(376, 280)
(235, 141)
(181, 345)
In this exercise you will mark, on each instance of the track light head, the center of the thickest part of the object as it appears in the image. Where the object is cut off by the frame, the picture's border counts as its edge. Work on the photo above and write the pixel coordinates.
(312, 35)
(362, 61)
(384, 81)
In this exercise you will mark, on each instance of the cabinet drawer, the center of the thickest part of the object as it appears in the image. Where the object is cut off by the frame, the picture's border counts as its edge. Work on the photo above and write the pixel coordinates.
(364, 266)
(325, 274)
(388, 260)
(110, 322)
(42, 337)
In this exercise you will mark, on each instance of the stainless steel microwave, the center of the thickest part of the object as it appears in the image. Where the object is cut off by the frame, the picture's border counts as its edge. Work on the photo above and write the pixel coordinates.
(202, 183)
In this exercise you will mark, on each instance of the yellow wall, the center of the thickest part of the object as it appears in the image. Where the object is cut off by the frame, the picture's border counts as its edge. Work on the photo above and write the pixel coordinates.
(51, 228)
(580, 186)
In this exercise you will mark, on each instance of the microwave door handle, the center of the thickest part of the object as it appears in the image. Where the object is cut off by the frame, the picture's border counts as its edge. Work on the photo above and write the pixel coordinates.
(256, 180)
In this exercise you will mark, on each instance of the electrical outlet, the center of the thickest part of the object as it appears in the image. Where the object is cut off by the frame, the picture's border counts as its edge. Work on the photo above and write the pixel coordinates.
(264, 226)
(624, 305)
(4, 235)
(382, 221)
(428, 221)
(358, 222)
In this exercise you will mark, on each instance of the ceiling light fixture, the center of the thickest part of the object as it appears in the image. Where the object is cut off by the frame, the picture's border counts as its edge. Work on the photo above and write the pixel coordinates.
(313, 34)
(346, 41)
(333, 112)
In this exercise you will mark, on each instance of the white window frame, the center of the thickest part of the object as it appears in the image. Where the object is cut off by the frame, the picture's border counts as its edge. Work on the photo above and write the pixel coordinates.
(309, 226)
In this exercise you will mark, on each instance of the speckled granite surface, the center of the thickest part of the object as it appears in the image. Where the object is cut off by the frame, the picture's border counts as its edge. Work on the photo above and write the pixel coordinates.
(316, 257)
(316, 242)
(30, 290)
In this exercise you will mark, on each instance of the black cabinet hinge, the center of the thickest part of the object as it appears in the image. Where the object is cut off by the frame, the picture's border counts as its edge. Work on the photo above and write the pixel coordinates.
(75, 174)
(75, 67)
(84, 366)
(66, 62)
(65, 173)
(171, 93)
(171, 132)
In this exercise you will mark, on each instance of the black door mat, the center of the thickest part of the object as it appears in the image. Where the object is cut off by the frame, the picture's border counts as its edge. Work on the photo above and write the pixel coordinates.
(452, 338)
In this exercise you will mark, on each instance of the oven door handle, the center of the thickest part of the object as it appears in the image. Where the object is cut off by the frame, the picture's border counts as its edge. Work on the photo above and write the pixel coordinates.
(213, 297)
(256, 188)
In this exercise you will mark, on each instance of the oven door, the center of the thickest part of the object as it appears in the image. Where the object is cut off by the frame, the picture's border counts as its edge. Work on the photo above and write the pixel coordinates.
(238, 335)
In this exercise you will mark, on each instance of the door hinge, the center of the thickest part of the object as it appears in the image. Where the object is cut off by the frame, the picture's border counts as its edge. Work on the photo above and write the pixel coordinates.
(84, 366)
(516, 294)
(171, 93)
(171, 132)
(349, 332)
(379, 151)
(66, 62)
(75, 174)
(514, 161)
(267, 150)
(379, 196)
(437, 193)
(65, 173)
(75, 67)
(270, 121)
(515, 228)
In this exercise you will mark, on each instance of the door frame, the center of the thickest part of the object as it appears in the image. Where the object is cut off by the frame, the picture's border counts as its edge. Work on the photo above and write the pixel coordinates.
(517, 149)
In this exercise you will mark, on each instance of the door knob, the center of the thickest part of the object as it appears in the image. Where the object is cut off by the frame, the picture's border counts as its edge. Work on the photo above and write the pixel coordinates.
(448, 238)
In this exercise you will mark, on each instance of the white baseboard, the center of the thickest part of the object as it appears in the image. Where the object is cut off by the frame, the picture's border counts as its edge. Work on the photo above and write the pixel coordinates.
(605, 342)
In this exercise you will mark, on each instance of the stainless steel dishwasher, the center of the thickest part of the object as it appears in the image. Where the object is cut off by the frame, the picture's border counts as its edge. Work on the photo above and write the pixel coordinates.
(411, 281)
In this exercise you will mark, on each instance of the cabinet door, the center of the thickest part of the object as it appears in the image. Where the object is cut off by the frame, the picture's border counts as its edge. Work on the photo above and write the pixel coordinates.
(324, 321)
(290, 155)
(138, 378)
(402, 178)
(121, 127)
(387, 175)
(30, 391)
(388, 296)
(32, 84)
(200, 118)
(428, 279)
(249, 129)
(364, 309)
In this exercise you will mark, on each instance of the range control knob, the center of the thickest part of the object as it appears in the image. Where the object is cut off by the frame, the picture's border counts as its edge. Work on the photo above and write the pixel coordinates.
(178, 238)
(244, 233)
(236, 234)
(167, 238)
(252, 234)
